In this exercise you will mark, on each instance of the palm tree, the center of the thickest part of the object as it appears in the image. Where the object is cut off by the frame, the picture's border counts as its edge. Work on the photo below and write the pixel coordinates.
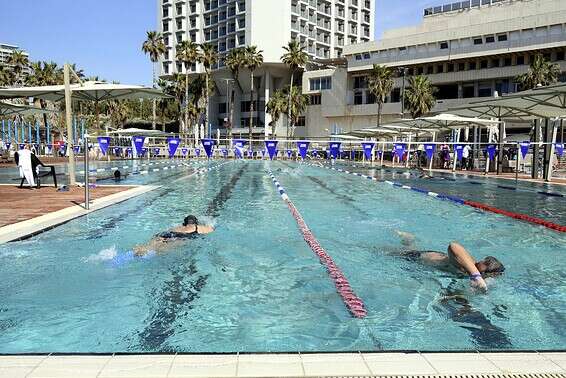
(276, 106)
(541, 72)
(298, 105)
(19, 62)
(253, 60)
(154, 47)
(208, 57)
(6, 76)
(295, 57)
(187, 52)
(234, 61)
(44, 73)
(380, 85)
(419, 96)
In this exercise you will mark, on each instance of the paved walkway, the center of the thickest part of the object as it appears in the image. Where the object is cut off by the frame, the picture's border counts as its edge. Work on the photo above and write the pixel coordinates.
(551, 365)
(18, 205)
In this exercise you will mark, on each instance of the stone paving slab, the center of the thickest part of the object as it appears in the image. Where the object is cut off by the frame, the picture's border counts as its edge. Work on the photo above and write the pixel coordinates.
(441, 365)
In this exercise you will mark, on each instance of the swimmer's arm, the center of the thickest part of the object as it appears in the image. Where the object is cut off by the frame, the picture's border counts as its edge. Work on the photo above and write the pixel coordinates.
(205, 229)
(464, 261)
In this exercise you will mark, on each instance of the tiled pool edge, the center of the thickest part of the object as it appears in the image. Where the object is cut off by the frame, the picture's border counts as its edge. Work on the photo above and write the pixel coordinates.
(386, 364)
(45, 222)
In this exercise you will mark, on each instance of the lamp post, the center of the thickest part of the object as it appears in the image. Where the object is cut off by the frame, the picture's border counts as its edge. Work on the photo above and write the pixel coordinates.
(228, 110)
(403, 73)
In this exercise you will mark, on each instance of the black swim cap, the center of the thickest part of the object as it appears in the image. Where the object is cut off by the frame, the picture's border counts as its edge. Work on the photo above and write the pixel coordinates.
(191, 219)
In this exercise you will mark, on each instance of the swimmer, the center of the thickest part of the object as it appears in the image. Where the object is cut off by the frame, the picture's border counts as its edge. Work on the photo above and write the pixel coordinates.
(166, 240)
(457, 260)
(424, 175)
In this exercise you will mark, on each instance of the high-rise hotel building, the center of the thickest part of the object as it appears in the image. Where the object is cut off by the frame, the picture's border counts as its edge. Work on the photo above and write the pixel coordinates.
(324, 27)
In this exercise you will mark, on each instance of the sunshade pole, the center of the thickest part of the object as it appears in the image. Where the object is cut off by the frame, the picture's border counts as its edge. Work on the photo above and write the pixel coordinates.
(500, 153)
(68, 120)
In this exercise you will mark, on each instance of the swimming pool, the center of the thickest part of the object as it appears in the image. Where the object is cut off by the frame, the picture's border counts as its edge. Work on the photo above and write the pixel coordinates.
(255, 286)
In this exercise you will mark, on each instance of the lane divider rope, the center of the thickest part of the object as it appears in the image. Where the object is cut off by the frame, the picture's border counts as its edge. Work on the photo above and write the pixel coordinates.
(534, 191)
(353, 303)
(460, 201)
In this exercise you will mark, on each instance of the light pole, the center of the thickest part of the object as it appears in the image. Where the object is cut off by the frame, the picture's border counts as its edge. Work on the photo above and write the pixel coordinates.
(403, 73)
(228, 109)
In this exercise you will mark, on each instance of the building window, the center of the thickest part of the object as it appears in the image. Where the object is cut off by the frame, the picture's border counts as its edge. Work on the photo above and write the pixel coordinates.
(520, 60)
(489, 39)
(245, 106)
(222, 107)
(321, 83)
(443, 45)
(360, 82)
(358, 98)
(316, 100)
(502, 37)
(478, 41)
(472, 66)
(483, 64)
(560, 55)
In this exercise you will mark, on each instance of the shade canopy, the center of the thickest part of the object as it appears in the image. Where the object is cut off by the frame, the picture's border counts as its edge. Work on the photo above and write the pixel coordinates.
(7, 109)
(87, 91)
(446, 121)
(543, 102)
(385, 130)
(140, 132)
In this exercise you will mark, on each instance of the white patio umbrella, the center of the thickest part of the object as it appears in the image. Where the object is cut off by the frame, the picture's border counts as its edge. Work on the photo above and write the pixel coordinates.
(141, 132)
(7, 109)
(85, 91)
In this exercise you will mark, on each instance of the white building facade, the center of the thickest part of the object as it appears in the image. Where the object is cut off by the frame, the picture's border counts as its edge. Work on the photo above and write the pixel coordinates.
(7, 50)
(324, 27)
(469, 50)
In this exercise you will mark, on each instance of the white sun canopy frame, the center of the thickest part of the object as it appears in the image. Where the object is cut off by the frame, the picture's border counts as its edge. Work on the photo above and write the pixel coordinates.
(7, 110)
(140, 132)
(446, 121)
(88, 91)
(543, 102)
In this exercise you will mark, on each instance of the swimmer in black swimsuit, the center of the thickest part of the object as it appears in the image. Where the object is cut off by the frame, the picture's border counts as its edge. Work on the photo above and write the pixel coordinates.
(457, 260)
(165, 240)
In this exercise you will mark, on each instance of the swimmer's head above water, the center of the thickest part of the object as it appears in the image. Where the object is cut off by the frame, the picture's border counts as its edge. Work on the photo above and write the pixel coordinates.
(190, 220)
(490, 266)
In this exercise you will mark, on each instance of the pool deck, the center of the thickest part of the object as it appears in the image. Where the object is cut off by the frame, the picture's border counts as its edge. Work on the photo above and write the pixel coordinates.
(25, 212)
(469, 365)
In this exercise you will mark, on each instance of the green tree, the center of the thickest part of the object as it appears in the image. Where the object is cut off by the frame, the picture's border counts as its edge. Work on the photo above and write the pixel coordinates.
(187, 52)
(20, 63)
(6, 76)
(154, 47)
(298, 105)
(208, 57)
(276, 106)
(253, 60)
(380, 85)
(419, 96)
(541, 72)
(295, 57)
(235, 60)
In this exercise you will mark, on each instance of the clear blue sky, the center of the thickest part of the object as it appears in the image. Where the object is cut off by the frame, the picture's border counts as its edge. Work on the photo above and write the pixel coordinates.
(104, 37)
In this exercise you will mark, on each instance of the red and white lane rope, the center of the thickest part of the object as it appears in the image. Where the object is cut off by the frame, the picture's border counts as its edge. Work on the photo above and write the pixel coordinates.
(354, 304)
(440, 196)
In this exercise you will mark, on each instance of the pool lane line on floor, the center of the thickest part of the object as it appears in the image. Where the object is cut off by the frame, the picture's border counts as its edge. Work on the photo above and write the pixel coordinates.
(476, 205)
(353, 303)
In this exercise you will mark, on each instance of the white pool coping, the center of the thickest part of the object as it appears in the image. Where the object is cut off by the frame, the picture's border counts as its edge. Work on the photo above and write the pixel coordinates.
(473, 364)
(44, 222)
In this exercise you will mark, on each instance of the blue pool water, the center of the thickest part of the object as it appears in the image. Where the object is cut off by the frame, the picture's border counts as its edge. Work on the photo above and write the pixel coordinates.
(254, 285)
